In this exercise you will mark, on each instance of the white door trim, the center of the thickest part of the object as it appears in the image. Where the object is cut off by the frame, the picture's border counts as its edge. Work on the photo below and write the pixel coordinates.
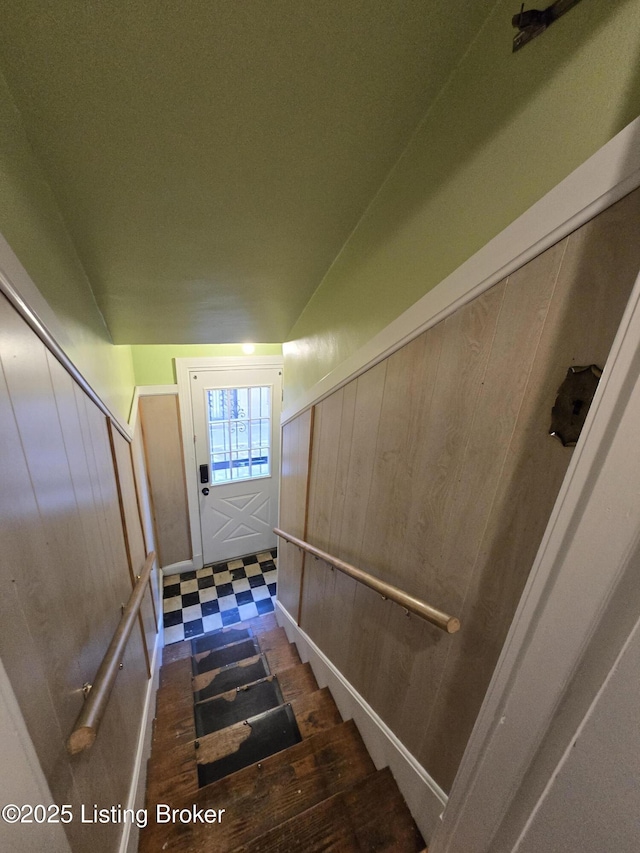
(607, 176)
(183, 367)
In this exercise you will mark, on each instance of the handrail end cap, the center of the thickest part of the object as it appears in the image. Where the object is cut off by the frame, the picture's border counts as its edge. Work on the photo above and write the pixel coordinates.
(81, 739)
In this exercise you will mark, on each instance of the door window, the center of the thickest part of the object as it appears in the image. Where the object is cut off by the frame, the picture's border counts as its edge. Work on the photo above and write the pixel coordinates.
(239, 429)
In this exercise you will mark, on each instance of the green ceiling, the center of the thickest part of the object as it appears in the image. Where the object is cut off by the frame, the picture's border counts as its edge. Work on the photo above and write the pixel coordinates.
(211, 157)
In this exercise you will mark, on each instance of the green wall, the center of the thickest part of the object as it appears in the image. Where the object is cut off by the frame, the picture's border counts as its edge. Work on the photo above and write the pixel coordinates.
(31, 223)
(504, 130)
(153, 364)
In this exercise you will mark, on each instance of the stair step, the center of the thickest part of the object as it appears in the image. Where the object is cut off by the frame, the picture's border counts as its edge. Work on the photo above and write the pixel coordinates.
(174, 708)
(263, 795)
(278, 655)
(370, 816)
(169, 732)
(271, 752)
(261, 624)
(245, 743)
(217, 658)
(219, 638)
(296, 681)
(258, 625)
(171, 774)
(272, 640)
(237, 705)
(314, 713)
(279, 652)
(218, 681)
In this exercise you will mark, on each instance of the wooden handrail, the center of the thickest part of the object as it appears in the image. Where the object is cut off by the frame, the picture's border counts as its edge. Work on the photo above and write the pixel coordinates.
(414, 605)
(88, 722)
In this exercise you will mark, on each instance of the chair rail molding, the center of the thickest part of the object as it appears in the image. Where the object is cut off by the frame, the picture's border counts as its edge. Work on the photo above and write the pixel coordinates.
(607, 176)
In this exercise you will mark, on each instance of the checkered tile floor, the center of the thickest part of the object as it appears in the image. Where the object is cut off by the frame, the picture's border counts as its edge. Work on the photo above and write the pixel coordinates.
(220, 595)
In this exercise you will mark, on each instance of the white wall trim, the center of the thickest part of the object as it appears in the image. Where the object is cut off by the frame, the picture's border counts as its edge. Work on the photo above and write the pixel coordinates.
(422, 794)
(134, 410)
(136, 798)
(156, 390)
(179, 568)
(607, 176)
(183, 368)
(146, 391)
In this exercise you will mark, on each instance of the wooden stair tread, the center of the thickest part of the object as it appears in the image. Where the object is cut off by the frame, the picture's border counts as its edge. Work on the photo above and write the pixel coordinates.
(296, 681)
(279, 656)
(174, 676)
(282, 658)
(172, 767)
(227, 675)
(261, 624)
(225, 656)
(314, 712)
(320, 794)
(370, 816)
(293, 682)
(171, 732)
(181, 650)
(261, 796)
(274, 639)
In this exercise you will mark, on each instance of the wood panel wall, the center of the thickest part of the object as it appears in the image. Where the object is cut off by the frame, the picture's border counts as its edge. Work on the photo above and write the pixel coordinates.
(434, 470)
(296, 437)
(134, 537)
(144, 505)
(163, 448)
(64, 575)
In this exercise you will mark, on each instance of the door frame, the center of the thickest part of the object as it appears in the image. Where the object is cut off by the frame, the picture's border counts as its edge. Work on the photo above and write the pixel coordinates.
(184, 366)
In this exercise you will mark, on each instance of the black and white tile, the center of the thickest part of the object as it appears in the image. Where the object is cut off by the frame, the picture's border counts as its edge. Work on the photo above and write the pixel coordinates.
(220, 595)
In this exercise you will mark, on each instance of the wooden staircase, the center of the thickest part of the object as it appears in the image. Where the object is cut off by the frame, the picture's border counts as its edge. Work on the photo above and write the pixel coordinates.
(242, 726)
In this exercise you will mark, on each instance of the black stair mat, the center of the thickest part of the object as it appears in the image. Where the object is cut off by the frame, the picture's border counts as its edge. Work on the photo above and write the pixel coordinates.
(233, 676)
(219, 713)
(271, 732)
(217, 658)
(218, 639)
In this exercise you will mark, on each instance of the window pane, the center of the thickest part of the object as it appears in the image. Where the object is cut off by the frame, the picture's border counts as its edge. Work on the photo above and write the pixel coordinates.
(218, 437)
(255, 398)
(256, 434)
(239, 432)
(220, 467)
(240, 466)
(239, 403)
(217, 401)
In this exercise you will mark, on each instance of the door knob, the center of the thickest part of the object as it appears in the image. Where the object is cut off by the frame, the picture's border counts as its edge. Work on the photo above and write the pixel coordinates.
(205, 491)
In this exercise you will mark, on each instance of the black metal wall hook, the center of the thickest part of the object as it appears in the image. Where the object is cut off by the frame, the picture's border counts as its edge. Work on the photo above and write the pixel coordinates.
(533, 22)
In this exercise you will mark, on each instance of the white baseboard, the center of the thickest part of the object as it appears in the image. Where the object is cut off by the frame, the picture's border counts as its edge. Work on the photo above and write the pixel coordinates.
(179, 568)
(425, 798)
(131, 832)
